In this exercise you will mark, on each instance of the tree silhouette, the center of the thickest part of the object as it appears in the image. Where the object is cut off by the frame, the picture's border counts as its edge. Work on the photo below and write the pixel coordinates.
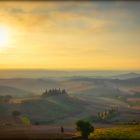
(85, 128)
(54, 91)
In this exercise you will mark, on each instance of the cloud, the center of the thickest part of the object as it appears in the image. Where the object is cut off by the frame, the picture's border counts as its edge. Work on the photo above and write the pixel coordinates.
(69, 17)
(54, 32)
(55, 17)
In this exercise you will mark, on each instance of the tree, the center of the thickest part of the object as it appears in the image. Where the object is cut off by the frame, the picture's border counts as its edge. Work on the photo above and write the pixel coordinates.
(85, 128)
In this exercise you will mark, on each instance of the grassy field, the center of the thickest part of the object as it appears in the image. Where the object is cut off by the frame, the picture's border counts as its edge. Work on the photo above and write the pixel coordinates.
(117, 133)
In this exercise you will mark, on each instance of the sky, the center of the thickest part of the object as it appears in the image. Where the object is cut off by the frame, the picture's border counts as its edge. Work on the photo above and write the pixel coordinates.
(70, 35)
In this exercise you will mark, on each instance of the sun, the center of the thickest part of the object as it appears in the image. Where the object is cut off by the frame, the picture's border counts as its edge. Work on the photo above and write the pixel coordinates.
(4, 36)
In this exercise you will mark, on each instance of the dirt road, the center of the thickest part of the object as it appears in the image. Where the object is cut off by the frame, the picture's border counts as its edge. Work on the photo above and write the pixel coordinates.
(35, 133)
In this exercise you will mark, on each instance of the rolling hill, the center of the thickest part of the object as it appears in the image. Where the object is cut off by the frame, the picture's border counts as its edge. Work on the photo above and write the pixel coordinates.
(47, 110)
(126, 76)
(29, 84)
(14, 92)
(86, 97)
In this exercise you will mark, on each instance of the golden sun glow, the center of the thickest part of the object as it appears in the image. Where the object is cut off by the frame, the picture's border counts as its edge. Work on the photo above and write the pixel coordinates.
(69, 35)
(4, 36)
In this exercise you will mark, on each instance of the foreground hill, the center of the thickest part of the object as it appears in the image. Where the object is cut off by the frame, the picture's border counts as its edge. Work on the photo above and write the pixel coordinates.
(45, 110)
(66, 109)
(51, 109)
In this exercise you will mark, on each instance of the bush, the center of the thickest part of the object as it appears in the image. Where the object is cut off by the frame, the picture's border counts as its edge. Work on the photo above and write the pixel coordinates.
(26, 120)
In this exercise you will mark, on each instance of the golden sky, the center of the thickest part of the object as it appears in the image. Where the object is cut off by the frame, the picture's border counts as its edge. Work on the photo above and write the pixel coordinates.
(70, 35)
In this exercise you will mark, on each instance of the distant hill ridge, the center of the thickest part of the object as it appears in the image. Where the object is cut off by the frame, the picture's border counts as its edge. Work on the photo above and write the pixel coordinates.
(127, 75)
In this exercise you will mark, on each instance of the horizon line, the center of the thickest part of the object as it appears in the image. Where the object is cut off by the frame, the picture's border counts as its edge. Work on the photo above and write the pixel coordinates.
(42, 69)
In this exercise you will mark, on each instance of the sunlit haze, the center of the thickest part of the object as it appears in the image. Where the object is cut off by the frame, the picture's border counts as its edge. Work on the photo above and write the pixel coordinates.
(70, 35)
(4, 36)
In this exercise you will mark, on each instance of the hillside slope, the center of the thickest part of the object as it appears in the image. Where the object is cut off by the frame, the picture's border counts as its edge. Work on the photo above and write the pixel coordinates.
(14, 92)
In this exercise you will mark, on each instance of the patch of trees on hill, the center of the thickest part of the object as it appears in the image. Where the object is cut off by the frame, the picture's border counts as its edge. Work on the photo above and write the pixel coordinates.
(104, 116)
(108, 114)
(54, 92)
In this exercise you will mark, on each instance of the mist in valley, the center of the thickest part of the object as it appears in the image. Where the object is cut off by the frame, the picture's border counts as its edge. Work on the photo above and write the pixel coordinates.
(85, 97)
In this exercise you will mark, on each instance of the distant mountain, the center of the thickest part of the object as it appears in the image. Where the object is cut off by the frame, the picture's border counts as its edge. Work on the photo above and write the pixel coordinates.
(14, 92)
(128, 82)
(126, 76)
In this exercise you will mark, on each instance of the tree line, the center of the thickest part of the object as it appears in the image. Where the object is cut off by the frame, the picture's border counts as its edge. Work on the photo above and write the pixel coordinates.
(54, 91)
(108, 113)
(104, 116)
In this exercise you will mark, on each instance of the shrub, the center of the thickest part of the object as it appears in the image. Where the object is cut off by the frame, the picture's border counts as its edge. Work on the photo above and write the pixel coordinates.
(26, 120)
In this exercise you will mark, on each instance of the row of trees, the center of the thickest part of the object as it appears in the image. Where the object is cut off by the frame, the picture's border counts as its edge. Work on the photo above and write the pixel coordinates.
(108, 113)
(54, 91)
(104, 116)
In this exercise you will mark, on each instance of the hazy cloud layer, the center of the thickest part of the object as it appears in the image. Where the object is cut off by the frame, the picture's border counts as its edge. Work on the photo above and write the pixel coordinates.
(52, 33)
